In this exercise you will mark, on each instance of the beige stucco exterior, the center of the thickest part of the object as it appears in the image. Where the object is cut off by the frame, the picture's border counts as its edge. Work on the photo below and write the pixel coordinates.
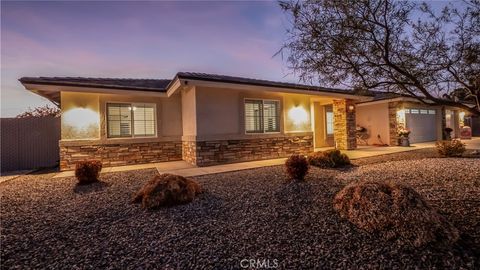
(218, 113)
(168, 115)
(201, 124)
(375, 119)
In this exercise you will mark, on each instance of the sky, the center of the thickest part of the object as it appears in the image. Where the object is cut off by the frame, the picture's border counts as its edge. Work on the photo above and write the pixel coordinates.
(136, 40)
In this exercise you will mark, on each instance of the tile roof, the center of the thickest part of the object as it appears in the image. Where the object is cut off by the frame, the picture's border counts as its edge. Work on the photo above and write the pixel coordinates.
(112, 83)
(258, 82)
(162, 84)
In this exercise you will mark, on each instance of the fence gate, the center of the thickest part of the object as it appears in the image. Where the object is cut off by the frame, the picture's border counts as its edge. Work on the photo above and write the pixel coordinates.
(29, 143)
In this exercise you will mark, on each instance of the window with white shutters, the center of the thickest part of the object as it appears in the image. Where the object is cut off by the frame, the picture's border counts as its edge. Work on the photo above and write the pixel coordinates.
(262, 116)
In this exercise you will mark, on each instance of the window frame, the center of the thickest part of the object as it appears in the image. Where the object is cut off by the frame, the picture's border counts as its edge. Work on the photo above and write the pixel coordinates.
(279, 111)
(132, 120)
(329, 109)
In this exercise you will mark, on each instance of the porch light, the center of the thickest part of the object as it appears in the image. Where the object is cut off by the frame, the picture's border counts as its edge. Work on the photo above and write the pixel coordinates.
(351, 108)
(298, 115)
(80, 118)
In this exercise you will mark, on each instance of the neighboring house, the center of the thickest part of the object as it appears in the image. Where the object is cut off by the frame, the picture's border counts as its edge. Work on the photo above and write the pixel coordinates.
(208, 119)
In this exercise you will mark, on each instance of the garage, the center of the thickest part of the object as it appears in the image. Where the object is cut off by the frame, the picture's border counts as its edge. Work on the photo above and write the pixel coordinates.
(422, 124)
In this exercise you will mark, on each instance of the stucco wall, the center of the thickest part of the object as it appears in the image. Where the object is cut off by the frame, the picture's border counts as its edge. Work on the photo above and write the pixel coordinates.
(375, 119)
(189, 112)
(168, 115)
(220, 113)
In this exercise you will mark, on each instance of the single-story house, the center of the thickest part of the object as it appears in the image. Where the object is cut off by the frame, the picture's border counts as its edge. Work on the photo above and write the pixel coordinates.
(208, 119)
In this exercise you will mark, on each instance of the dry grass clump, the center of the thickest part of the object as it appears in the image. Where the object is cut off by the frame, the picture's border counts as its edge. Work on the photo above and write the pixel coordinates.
(328, 159)
(395, 212)
(297, 167)
(167, 190)
(450, 148)
(87, 171)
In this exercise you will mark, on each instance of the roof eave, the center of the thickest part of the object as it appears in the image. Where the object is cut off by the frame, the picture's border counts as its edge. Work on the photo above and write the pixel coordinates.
(251, 86)
(48, 90)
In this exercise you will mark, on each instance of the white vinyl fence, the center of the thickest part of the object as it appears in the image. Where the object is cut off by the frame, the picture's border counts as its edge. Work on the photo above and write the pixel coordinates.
(29, 143)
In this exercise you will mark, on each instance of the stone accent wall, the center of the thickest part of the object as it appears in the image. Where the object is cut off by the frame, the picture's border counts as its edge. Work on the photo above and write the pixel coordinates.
(392, 122)
(119, 154)
(444, 122)
(206, 153)
(344, 125)
(189, 150)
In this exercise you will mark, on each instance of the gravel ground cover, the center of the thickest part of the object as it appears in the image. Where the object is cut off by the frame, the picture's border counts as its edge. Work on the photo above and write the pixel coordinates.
(253, 214)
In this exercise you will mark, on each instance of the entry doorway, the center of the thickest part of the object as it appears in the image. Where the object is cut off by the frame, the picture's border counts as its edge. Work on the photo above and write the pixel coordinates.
(323, 125)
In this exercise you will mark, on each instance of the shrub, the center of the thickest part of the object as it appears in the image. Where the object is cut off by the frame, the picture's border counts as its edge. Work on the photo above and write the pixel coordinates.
(297, 167)
(87, 171)
(329, 159)
(450, 148)
(338, 158)
(166, 190)
(320, 159)
(395, 212)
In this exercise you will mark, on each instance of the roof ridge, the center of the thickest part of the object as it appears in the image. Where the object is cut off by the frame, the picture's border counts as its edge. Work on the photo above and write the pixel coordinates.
(98, 78)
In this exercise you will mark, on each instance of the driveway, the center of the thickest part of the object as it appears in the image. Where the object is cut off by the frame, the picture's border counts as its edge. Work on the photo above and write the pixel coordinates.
(474, 143)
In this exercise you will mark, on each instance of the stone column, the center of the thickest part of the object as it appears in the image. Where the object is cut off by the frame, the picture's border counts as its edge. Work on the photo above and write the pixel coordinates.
(344, 125)
(392, 122)
(444, 122)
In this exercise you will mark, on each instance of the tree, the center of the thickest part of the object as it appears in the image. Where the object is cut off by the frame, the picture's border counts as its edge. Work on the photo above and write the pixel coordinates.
(393, 46)
(42, 111)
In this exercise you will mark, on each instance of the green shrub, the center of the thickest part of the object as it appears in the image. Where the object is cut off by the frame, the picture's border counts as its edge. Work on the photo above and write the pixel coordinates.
(297, 167)
(87, 171)
(453, 148)
(328, 159)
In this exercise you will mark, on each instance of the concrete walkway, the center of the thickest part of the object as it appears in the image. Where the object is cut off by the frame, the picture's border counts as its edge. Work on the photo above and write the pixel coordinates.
(185, 169)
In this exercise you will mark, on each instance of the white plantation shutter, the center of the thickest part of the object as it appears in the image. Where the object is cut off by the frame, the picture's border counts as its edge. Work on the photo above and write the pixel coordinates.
(271, 116)
(262, 116)
(253, 116)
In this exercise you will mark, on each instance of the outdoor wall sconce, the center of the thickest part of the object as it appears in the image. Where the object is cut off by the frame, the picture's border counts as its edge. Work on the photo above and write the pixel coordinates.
(80, 118)
(298, 115)
(351, 108)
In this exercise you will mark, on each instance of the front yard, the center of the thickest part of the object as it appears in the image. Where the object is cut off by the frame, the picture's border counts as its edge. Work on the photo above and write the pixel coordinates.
(254, 214)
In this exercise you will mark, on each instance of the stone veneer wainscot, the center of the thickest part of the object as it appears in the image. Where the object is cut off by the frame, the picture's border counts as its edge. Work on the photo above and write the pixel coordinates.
(206, 153)
(344, 125)
(118, 154)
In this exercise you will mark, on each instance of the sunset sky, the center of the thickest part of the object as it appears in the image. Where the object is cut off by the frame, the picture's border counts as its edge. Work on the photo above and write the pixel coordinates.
(136, 40)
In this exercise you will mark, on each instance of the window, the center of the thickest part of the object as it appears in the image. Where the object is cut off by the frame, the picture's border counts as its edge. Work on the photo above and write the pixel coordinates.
(329, 122)
(431, 111)
(423, 111)
(130, 120)
(414, 111)
(262, 116)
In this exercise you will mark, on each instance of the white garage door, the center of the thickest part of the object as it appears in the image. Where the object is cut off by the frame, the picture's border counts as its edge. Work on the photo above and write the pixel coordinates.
(422, 124)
